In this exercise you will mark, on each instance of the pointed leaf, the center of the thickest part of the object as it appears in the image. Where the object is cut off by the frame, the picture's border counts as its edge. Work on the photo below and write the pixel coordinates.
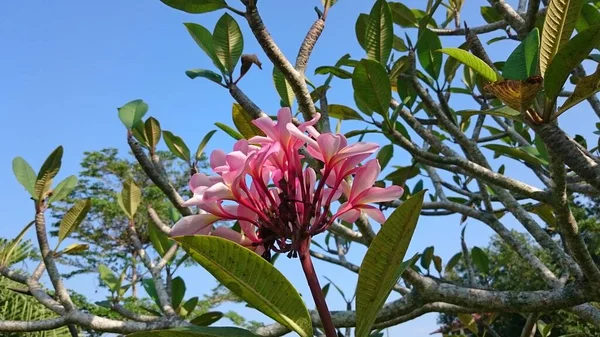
(131, 113)
(204, 73)
(25, 175)
(517, 153)
(523, 62)
(362, 22)
(480, 259)
(382, 265)
(437, 262)
(189, 306)
(130, 197)
(243, 122)
(108, 277)
(584, 88)
(453, 261)
(561, 18)
(431, 61)
(284, 89)
(203, 143)
(177, 291)
(402, 15)
(207, 318)
(247, 274)
(229, 130)
(75, 248)
(372, 85)
(47, 172)
(380, 32)
(204, 39)
(385, 154)
(567, 58)
(335, 71)
(502, 111)
(343, 112)
(63, 189)
(473, 62)
(151, 290)
(177, 146)
(73, 218)
(196, 6)
(160, 241)
(228, 42)
(6, 254)
(196, 331)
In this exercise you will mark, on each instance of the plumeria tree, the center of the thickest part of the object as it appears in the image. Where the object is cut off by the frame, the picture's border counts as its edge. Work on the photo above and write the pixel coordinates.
(291, 177)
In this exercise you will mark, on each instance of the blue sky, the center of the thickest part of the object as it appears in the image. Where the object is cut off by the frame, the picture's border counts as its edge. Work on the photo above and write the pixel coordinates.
(67, 65)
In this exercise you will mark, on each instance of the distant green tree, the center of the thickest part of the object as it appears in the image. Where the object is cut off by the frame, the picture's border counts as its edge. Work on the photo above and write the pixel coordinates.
(104, 229)
(509, 272)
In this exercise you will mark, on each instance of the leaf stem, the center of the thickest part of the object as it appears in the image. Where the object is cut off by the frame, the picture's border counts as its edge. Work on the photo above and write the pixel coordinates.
(315, 288)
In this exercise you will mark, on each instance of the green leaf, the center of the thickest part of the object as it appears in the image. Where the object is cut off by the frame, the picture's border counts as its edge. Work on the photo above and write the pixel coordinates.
(75, 248)
(427, 257)
(385, 154)
(473, 62)
(406, 91)
(335, 71)
(47, 172)
(131, 113)
(25, 175)
(585, 87)
(569, 57)
(207, 318)
(518, 153)
(243, 122)
(402, 15)
(189, 306)
(177, 291)
(399, 44)
(380, 32)
(372, 85)
(160, 241)
(437, 262)
(453, 261)
(284, 89)
(130, 197)
(6, 254)
(502, 111)
(152, 131)
(204, 39)
(560, 21)
(139, 133)
(343, 112)
(228, 42)
(480, 259)
(431, 61)
(203, 143)
(468, 321)
(108, 277)
(247, 274)
(151, 290)
(229, 130)
(196, 6)
(362, 22)
(196, 331)
(382, 265)
(73, 218)
(490, 14)
(177, 146)
(523, 62)
(204, 73)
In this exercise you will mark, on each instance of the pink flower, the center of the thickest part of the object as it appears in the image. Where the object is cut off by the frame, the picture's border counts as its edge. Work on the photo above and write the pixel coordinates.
(278, 201)
(363, 193)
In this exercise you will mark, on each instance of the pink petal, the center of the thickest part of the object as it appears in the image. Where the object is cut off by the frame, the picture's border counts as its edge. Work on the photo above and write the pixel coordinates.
(374, 213)
(379, 194)
(301, 135)
(194, 224)
(218, 191)
(355, 149)
(217, 158)
(231, 235)
(193, 201)
(350, 216)
(267, 126)
(329, 144)
(365, 178)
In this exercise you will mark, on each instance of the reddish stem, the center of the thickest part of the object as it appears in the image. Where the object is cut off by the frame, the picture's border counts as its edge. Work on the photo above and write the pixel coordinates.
(315, 288)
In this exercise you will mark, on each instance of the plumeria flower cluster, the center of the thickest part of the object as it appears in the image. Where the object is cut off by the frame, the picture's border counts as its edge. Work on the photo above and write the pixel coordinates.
(278, 200)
